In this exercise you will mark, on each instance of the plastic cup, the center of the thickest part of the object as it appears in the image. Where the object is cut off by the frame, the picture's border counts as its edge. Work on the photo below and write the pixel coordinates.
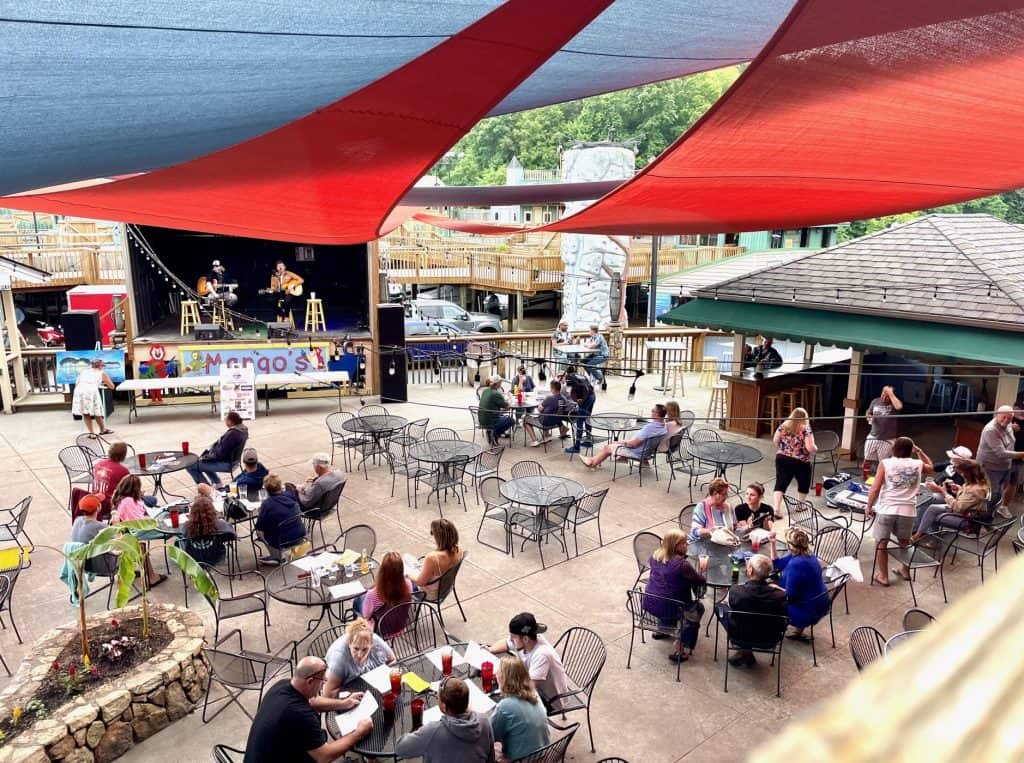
(487, 676)
(817, 488)
(175, 519)
(142, 460)
(446, 661)
(396, 680)
(184, 447)
(755, 544)
(233, 490)
(416, 710)
(389, 700)
(703, 561)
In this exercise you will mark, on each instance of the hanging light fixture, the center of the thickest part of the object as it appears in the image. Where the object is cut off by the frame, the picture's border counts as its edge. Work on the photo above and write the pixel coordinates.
(391, 368)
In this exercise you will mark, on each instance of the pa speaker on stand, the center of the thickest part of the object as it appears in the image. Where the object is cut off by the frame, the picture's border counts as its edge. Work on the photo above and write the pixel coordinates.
(391, 371)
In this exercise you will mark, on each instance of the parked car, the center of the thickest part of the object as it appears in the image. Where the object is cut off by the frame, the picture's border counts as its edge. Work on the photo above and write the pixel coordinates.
(449, 312)
(448, 347)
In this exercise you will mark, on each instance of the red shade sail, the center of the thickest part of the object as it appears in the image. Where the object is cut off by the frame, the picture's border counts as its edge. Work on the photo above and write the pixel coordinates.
(333, 176)
(849, 112)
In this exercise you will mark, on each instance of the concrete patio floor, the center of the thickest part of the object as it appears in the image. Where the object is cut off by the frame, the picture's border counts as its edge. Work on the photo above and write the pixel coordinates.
(641, 714)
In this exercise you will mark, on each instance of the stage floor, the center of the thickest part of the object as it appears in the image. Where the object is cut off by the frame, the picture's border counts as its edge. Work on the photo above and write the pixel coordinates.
(168, 331)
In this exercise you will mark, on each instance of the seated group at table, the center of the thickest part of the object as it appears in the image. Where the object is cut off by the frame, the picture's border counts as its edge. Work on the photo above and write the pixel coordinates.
(714, 512)
(593, 341)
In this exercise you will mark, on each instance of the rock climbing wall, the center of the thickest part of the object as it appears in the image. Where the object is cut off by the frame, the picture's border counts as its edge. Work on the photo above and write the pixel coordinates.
(589, 259)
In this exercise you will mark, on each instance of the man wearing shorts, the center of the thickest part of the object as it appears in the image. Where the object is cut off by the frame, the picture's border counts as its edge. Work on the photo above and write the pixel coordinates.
(881, 415)
(894, 493)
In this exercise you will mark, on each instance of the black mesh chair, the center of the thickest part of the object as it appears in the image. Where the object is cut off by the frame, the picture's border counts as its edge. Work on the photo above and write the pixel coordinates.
(554, 752)
(211, 550)
(442, 433)
(417, 429)
(446, 587)
(833, 588)
(828, 450)
(372, 410)
(313, 516)
(806, 515)
(685, 518)
(866, 645)
(448, 477)
(77, 463)
(224, 754)
(349, 442)
(358, 538)
(754, 632)
(318, 647)
(978, 539)
(401, 463)
(915, 619)
(583, 655)
(412, 627)
(485, 465)
(644, 622)
(644, 545)
(12, 525)
(237, 670)
(8, 579)
(682, 461)
(647, 454)
(705, 435)
(541, 524)
(588, 509)
(832, 543)
(496, 509)
(916, 556)
(527, 469)
(228, 607)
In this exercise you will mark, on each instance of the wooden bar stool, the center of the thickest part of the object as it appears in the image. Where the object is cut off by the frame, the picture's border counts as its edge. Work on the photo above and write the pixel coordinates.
(717, 406)
(189, 316)
(788, 401)
(812, 398)
(708, 371)
(315, 315)
(676, 381)
(221, 316)
(772, 410)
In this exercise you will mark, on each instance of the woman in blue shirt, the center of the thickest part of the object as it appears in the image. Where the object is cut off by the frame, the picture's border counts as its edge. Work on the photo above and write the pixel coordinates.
(802, 579)
(519, 721)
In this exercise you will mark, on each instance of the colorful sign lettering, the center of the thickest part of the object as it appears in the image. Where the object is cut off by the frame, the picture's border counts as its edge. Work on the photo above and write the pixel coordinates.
(206, 360)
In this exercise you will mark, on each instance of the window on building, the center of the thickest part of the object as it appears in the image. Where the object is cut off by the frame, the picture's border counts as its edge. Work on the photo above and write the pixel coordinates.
(805, 237)
(528, 217)
(547, 217)
(732, 239)
(495, 216)
(776, 239)
(826, 237)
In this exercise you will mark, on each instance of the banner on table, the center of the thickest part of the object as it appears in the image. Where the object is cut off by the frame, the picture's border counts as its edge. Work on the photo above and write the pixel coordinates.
(207, 360)
(71, 363)
(238, 391)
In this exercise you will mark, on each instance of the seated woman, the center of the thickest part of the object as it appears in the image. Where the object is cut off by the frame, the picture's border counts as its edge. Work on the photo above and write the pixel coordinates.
(359, 651)
(673, 424)
(127, 505)
(957, 503)
(672, 577)
(204, 533)
(389, 590)
(445, 555)
(754, 512)
(519, 721)
(802, 579)
(523, 380)
(713, 511)
(279, 523)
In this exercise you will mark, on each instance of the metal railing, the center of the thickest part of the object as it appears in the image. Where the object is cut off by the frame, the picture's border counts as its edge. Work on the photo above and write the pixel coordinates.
(41, 371)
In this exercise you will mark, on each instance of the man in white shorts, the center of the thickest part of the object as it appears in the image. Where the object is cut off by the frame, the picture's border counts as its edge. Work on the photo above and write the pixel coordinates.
(881, 415)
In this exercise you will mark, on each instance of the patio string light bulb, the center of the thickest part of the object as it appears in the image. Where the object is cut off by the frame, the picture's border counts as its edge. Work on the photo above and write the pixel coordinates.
(391, 368)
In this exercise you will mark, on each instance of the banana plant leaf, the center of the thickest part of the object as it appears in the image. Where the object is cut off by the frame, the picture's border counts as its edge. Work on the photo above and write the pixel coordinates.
(193, 571)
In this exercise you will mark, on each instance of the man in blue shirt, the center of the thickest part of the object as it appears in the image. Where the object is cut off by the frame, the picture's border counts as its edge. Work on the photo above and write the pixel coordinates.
(634, 446)
(596, 341)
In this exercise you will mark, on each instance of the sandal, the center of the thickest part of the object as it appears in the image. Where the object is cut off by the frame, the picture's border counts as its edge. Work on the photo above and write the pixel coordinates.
(898, 571)
(107, 431)
(676, 657)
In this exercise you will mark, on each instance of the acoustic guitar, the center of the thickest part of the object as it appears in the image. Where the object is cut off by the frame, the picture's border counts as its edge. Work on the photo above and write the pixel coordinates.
(294, 289)
(202, 287)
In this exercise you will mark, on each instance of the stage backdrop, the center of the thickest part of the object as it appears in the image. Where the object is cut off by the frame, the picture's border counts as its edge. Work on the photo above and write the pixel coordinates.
(72, 363)
(205, 360)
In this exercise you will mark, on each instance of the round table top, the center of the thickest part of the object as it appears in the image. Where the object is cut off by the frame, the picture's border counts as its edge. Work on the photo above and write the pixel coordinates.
(615, 422)
(377, 422)
(444, 451)
(179, 461)
(388, 728)
(285, 585)
(725, 452)
(527, 404)
(898, 639)
(719, 571)
(541, 490)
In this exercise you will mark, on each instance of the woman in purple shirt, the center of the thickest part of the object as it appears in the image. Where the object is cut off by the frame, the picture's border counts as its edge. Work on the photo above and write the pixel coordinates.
(672, 577)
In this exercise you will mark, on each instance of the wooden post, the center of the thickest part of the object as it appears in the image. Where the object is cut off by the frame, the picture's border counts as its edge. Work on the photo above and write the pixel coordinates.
(739, 344)
(851, 404)
(373, 271)
(15, 352)
(1006, 387)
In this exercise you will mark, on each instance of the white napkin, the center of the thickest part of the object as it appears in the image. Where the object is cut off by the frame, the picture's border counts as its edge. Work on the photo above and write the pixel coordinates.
(850, 566)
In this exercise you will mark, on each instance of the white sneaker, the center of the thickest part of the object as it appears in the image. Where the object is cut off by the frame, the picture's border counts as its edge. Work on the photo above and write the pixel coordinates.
(1002, 511)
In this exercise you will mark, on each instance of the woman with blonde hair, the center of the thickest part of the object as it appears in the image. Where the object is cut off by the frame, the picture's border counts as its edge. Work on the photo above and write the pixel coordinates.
(673, 424)
(519, 721)
(672, 579)
(445, 555)
(801, 577)
(359, 651)
(796, 445)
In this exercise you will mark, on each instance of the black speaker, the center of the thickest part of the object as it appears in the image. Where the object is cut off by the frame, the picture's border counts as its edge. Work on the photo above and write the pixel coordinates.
(391, 344)
(279, 330)
(81, 329)
(206, 332)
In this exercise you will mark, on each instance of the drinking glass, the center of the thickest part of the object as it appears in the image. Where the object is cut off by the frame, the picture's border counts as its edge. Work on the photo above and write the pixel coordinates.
(446, 661)
(416, 710)
(703, 561)
(396, 680)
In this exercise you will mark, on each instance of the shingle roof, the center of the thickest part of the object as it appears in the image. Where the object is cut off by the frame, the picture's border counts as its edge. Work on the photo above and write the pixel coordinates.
(942, 268)
(688, 281)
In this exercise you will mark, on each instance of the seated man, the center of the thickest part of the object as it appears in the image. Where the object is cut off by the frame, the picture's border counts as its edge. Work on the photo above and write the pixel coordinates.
(287, 724)
(460, 735)
(634, 446)
(547, 416)
(107, 474)
(279, 522)
(217, 458)
(561, 336)
(596, 341)
(759, 596)
(253, 472)
(325, 479)
(86, 527)
(541, 659)
(492, 403)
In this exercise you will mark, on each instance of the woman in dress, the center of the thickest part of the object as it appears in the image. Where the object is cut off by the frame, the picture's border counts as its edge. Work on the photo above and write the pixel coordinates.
(445, 555)
(519, 721)
(713, 512)
(359, 651)
(754, 512)
(795, 442)
(958, 502)
(802, 579)
(88, 399)
(672, 577)
(390, 588)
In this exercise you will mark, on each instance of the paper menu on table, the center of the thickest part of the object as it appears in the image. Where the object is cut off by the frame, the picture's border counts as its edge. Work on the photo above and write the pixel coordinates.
(379, 678)
(411, 564)
(315, 561)
(347, 722)
(476, 655)
(431, 714)
(348, 556)
(346, 590)
(478, 701)
(435, 657)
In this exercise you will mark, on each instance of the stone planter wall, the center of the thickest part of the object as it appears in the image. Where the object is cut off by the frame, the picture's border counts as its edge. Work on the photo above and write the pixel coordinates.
(103, 724)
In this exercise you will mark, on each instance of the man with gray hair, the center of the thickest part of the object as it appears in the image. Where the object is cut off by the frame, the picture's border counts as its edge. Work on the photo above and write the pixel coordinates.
(325, 479)
(758, 596)
(490, 416)
(287, 724)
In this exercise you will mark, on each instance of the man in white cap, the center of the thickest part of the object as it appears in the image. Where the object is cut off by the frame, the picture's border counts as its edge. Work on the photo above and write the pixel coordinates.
(217, 284)
(996, 454)
(325, 479)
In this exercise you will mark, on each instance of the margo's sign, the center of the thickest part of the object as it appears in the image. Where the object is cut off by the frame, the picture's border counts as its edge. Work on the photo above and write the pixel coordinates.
(205, 360)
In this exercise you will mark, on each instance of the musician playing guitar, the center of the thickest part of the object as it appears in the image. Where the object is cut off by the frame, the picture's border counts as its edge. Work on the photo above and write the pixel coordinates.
(284, 286)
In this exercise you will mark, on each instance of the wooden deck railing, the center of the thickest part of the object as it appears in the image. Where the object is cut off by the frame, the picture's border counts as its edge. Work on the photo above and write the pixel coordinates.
(75, 253)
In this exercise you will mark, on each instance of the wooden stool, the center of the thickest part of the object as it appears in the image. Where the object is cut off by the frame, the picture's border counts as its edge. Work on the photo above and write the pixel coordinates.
(772, 411)
(708, 371)
(676, 381)
(189, 316)
(812, 397)
(717, 405)
(221, 316)
(315, 315)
